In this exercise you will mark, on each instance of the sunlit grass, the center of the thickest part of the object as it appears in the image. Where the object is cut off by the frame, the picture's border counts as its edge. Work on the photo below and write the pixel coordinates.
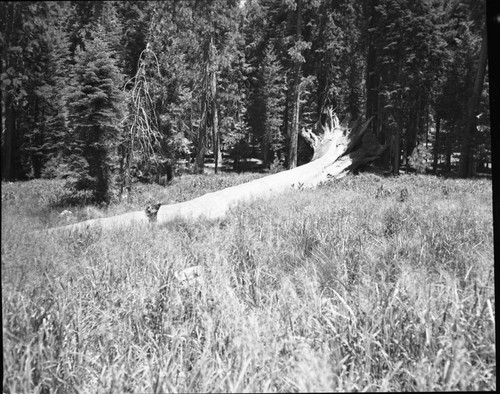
(323, 290)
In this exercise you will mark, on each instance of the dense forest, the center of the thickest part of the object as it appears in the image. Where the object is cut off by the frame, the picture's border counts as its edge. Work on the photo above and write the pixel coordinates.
(103, 93)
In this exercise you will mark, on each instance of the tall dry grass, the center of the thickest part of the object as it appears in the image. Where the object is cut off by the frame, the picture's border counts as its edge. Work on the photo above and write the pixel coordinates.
(324, 290)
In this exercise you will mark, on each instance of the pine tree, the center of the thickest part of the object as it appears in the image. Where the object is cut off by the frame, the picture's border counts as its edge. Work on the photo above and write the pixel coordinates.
(15, 47)
(404, 57)
(297, 59)
(271, 99)
(197, 45)
(33, 55)
(95, 105)
(226, 65)
(135, 17)
(462, 84)
(44, 122)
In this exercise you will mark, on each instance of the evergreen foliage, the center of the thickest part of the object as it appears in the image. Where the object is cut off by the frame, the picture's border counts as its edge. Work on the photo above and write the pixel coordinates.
(270, 106)
(239, 79)
(95, 109)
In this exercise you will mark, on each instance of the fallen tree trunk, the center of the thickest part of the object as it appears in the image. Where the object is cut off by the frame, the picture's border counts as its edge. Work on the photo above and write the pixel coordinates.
(339, 151)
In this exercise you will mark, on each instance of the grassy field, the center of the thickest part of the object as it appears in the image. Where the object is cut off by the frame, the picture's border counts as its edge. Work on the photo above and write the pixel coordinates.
(324, 290)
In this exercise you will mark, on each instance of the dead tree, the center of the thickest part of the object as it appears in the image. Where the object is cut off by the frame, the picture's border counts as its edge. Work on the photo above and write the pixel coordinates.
(141, 123)
(339, 151)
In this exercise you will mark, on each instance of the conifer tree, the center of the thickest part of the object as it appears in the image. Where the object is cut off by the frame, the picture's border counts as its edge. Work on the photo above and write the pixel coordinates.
(95, 105)
(271, 99)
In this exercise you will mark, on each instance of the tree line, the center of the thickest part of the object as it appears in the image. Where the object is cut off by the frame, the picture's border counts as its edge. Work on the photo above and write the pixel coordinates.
(93, 90)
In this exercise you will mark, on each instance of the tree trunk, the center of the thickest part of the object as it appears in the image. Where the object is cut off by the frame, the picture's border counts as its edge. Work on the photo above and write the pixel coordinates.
(36, 157)
(339, 151)
(1, 108)
(435, 146)
(214, 109)
(427, 127)
(202, 137)
(372, 75)
(415, 126)
(216, 136)
(266, 138)
(294, 132)
(465, 163)
(405, 158)
(128, 168)
(10, 133)
(121, 168)
(397, 153)
(286, 130)
(448, 154)
(202, 130)
(372, 89)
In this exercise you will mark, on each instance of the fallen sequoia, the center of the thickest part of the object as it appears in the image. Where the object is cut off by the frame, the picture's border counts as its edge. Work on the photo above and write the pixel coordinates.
(339, 151)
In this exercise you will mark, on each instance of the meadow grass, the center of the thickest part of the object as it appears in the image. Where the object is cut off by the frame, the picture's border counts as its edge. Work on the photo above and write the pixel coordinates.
(314, 290)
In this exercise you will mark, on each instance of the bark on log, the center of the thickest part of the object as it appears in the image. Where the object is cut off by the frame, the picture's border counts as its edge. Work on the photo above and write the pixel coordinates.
(339, 151)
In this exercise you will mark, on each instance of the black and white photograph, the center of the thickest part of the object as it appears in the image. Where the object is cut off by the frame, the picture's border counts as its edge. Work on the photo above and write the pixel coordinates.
(248, 196)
